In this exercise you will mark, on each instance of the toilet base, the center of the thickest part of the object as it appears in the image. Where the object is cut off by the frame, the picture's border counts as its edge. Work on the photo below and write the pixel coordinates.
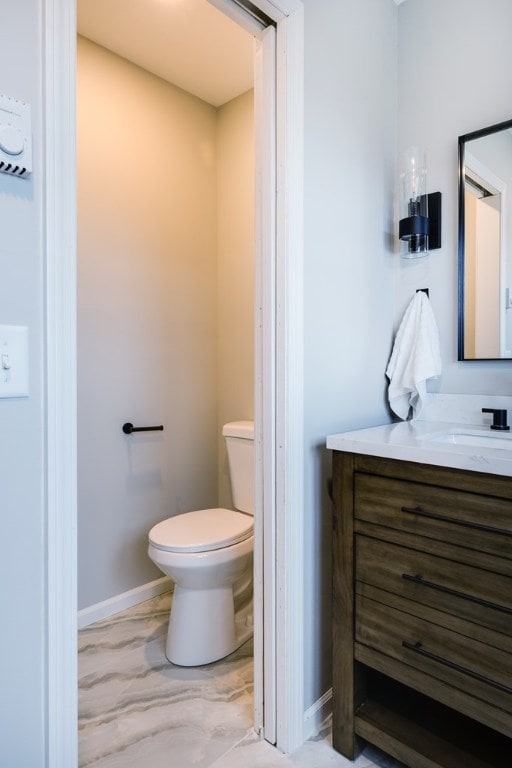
(203, 626)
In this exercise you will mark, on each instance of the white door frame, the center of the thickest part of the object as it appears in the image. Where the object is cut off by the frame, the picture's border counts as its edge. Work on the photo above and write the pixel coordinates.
(265, 384)
(286, 451)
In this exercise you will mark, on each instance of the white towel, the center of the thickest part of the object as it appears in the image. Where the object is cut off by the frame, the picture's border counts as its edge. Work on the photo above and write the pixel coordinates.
(416, 357)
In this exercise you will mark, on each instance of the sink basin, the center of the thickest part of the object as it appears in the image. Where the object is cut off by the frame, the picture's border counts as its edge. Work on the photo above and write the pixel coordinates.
(471, 437)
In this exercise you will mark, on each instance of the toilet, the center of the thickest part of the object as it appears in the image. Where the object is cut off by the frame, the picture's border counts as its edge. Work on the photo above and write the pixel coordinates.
(208, 555)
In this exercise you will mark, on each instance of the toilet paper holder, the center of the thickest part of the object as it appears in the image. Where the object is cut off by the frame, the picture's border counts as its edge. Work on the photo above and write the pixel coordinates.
(128, 428)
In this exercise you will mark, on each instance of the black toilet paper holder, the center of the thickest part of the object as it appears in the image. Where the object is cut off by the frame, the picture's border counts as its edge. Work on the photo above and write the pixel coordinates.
(128, 428)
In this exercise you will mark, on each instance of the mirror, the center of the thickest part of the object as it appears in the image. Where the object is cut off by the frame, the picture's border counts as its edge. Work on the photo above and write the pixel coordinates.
(485, 243)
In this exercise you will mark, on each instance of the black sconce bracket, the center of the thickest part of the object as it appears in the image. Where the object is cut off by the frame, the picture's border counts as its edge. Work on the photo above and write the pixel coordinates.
(434, 217)
(419, 226)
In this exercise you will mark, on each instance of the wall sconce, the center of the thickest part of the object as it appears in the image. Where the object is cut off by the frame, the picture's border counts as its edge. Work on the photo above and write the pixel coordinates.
(420, 213)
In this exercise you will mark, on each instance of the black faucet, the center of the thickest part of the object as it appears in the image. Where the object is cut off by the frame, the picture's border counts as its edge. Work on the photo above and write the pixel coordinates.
(499, 418)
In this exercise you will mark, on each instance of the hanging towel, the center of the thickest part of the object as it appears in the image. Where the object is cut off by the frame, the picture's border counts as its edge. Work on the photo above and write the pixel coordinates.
(415, 358)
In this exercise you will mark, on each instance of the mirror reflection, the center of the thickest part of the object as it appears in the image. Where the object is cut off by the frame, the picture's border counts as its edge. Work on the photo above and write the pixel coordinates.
(485, 243)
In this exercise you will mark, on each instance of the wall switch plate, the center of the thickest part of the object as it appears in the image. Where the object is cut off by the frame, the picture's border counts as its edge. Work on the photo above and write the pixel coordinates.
(13, 361)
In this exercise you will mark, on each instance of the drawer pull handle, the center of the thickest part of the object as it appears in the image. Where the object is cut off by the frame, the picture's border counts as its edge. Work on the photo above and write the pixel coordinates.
(464, 523)
(417, 579)
(419, 648)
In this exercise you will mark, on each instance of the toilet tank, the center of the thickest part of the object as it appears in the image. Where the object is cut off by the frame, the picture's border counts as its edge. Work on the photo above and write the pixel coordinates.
(239, 437)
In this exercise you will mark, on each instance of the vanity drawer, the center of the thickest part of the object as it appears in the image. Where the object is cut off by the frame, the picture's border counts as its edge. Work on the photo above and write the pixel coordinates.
(455, 588)
(480, 522)
(459, 661)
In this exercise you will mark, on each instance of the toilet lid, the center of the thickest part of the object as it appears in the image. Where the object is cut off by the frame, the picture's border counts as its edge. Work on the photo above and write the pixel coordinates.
(201, 530)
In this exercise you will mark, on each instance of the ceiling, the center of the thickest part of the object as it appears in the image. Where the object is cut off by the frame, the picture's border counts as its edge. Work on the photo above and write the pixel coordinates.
(186, 42)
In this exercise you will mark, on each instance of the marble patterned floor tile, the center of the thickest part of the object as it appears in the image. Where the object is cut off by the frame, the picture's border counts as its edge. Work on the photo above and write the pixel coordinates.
(102, 643)
(193, 731)
(137, 710)
(252, 752)
(151, 656)
(380, 759)
(318, 752)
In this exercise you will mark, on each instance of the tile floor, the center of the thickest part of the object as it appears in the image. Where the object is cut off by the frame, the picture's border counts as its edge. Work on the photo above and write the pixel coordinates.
(136, 710)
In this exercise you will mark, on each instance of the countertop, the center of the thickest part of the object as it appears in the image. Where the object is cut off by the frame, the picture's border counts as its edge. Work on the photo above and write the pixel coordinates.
(416, 441)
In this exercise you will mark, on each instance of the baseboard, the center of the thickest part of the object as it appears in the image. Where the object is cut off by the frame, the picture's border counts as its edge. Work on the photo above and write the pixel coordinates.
(123, 601)
(315, 716)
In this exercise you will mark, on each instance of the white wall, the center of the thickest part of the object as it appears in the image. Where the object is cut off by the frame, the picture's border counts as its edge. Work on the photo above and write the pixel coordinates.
(454, 69)
(147, 315)
(22, 459)
(235, 270)
(350, 124)
(165, 308)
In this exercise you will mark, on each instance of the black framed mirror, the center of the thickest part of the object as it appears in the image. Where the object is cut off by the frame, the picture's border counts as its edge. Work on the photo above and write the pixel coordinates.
(485, 244)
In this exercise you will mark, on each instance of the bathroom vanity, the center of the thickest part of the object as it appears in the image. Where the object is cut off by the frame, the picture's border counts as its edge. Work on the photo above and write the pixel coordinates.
(422, 594)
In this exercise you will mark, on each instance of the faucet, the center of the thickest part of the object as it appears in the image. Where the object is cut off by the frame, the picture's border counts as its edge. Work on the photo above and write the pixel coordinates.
(499, 418)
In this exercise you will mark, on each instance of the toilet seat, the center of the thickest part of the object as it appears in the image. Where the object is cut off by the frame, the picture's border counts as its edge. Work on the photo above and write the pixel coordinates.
(202, 530)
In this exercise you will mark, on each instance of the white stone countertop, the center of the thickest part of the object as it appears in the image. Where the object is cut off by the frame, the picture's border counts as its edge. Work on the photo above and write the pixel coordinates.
(432, 442)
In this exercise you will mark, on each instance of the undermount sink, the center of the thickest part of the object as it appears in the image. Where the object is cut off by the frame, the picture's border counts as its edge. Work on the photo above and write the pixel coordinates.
(471, 437)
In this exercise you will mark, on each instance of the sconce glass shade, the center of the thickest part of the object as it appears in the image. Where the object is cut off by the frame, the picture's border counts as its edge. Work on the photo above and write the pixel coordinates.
(413, 228)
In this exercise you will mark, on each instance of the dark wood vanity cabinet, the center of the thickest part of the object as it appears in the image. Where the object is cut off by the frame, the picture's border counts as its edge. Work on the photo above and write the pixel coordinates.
(422, 612)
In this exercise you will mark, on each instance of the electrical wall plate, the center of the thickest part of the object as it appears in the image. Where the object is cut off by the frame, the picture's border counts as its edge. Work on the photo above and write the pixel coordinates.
(15, 137)
(13, 361)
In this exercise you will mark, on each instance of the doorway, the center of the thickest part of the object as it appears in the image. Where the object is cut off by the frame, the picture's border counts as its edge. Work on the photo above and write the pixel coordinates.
(165, 302)
(165, 336)
(278, 376)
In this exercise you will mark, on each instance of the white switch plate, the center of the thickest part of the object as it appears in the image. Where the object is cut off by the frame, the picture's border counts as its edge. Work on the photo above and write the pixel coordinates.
(13, 361)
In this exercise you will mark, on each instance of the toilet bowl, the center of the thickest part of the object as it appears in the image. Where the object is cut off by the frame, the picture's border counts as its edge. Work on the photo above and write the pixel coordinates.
(208, 554)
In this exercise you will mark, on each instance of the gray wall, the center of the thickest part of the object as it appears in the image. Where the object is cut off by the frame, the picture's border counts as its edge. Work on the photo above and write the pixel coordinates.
(22, 517)
(350, 125)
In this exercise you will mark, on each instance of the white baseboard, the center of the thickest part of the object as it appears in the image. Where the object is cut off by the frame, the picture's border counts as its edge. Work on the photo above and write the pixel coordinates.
(315, 716)
(123, 601)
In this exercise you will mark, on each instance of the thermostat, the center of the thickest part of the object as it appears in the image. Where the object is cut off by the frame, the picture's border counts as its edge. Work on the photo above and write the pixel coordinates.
(15, 137)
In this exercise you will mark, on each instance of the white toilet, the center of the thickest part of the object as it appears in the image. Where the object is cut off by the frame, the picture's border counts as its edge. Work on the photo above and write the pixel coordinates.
(208, 555)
